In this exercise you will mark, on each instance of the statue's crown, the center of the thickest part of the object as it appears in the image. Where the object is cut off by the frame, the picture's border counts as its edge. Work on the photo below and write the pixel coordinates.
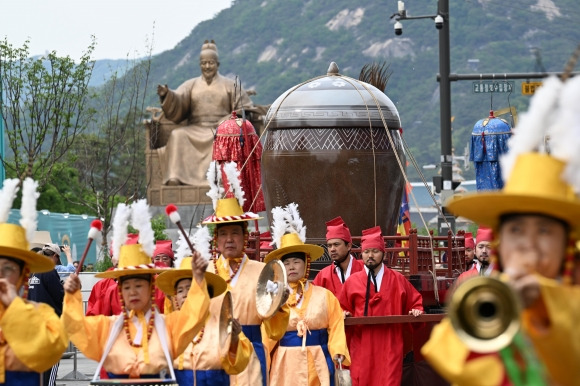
(209, 45)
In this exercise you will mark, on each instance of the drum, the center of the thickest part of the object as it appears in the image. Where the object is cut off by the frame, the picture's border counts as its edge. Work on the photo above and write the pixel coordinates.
(135, 382)
(331, 146)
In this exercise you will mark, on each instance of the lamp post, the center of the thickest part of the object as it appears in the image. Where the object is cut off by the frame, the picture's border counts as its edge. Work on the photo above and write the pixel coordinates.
(2, 169)
(445, 181)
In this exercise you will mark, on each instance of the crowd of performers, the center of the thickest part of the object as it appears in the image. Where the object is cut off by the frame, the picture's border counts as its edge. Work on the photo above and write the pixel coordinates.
(147, 320)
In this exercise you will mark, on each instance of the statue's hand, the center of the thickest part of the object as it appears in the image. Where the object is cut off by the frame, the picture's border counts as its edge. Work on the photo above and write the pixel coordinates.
(162, 90)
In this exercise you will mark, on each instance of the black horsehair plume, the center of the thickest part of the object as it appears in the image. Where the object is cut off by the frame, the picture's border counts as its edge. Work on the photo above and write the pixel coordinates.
(377, 74)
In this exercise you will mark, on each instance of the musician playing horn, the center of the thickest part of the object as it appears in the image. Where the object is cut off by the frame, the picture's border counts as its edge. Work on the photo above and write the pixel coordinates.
(534, 218)
(140, 342)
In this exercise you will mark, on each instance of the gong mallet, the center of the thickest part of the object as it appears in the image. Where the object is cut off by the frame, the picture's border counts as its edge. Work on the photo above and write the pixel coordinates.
(171, 211)
(94, 232)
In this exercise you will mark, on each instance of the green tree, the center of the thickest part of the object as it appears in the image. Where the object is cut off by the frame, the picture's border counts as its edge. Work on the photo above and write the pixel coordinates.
(45, 107)
(109, 156)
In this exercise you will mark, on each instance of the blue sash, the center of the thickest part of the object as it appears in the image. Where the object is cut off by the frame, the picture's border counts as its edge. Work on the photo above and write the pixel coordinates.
(202, 377)
(21, 378)
(253, 333)
(314, 338)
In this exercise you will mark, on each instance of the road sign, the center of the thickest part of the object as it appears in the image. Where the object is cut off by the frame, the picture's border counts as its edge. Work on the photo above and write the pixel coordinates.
(529, 88)
(486, 86)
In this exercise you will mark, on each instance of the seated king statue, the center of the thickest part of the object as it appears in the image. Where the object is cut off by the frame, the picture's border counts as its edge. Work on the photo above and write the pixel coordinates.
(201, 103)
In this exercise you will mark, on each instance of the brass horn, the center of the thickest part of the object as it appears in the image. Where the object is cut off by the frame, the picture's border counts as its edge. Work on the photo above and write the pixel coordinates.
(485, 313)
(271, 289)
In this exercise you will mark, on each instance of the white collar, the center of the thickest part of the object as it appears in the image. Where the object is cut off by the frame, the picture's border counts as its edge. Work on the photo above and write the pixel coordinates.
(237, 275)
(379, 275)
(348, 269)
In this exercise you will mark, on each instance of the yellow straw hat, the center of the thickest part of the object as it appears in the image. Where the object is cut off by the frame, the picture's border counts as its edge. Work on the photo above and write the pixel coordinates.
(13, 244)
(167, 280)
(132, 261)
(291, 243)
(534, 186)
(228, 209)
(15, 239)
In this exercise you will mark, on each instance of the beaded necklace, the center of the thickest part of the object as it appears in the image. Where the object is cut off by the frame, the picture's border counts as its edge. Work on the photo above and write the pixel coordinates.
(150, 324)
(234, 271)
(299, 298)
(301, 282)
(216, 254)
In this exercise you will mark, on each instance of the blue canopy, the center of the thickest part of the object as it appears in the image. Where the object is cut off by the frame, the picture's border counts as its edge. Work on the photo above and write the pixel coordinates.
(488, 141)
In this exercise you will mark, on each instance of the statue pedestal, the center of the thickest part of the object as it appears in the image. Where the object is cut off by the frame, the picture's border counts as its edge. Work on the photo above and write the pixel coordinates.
(178, 195)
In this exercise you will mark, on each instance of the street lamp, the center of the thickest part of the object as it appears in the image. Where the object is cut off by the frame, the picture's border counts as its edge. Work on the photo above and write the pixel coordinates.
(441, 19)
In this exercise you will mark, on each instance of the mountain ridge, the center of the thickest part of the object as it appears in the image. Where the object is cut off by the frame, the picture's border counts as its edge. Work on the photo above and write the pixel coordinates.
(273, 45)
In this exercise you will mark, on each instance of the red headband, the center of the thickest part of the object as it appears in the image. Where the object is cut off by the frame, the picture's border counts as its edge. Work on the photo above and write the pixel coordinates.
(165, 247)
(337, 229)
(469, 242)
(483, 234)
(372, 238)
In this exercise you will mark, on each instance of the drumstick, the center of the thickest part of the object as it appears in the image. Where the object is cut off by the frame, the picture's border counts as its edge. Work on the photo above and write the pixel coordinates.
(96, 228)
(175, 218)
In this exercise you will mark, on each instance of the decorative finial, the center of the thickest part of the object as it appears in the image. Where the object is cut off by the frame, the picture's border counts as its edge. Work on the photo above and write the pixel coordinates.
(332, 69)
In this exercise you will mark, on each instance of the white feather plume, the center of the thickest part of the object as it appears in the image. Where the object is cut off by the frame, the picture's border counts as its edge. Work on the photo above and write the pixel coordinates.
(120, 224)
(295, 221)
(532, 126)
(7, 196)
(214, 178)
(141, 220)
(279, 225)
(564, 132)
(182, 249)
(202, 242)
(233, 176)
(28, 213)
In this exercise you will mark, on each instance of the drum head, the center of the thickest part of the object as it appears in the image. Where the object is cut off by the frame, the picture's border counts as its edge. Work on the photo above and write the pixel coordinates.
(268, 301)
(225, 323)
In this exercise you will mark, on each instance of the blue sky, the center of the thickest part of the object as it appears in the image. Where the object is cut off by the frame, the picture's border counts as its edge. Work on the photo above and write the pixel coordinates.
(122, 27)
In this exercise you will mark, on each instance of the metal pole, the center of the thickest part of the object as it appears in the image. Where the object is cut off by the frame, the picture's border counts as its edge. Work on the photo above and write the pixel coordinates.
(2, 169)
(445, 110)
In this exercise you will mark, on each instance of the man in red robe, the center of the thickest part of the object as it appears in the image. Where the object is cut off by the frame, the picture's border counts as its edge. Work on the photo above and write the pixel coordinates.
(481, 263)
(339, 243)
(377, 350)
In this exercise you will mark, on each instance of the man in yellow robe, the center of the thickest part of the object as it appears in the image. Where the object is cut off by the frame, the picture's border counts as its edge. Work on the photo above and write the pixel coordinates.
(32, 338)
(241, 274)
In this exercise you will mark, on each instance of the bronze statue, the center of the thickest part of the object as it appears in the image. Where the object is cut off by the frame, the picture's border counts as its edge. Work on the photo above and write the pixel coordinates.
(202, 103)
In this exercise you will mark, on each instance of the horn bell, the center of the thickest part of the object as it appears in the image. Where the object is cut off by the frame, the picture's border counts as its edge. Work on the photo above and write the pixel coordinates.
(485, 313)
